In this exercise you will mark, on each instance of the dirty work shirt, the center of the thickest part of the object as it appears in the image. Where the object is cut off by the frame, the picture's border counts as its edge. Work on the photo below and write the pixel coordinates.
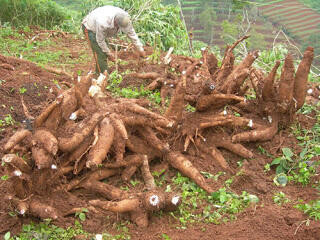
(101, 22)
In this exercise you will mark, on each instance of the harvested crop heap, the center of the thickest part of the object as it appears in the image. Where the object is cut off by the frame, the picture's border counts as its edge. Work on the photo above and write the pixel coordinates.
(86, 136)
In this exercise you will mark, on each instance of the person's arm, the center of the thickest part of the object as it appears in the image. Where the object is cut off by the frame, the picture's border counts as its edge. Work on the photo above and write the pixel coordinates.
(134, 38)
(100, 36)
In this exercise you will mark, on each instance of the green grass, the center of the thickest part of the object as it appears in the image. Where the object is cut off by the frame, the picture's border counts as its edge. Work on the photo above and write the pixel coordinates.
(41, 50)
(199, 206)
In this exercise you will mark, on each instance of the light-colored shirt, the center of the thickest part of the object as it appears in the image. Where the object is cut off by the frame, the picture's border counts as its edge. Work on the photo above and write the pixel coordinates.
(101, 22)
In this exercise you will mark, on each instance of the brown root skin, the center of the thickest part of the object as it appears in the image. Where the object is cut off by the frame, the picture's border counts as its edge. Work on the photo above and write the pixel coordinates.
(149, 135)
(214, 153)
(47, 140)
(137, 145)
(260, 134)
(54, 119)
(100, 150)
(135, 108)
(146, 174)
(153, 200)
(17, 162)
(119, 125)
(22, 185)
(268, 91)
(149, 75)
(172, 201)
(216, 100)
(155, 84)
(39, 121)
(42, 210)
(286, 85)
(180, 162)
(69, 144)
(123, 206)
(22, 207)
(69, 103)
(239, 74)
(77, 154)
(301, 78)
(84, 84)
(104, 189)
(128, 172)
(234, 147)
(176, 106)
(42, 158)
(16, 138)
(119, 146)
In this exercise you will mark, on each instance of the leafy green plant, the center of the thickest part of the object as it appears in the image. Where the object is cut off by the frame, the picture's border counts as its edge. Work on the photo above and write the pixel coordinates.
(312, 208)
(280, 198)
(220, 206)
(22, 90)
(82, 214)
(284, 162)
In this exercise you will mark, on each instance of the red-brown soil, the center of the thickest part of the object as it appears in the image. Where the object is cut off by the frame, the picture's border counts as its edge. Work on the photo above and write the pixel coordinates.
(262, 222)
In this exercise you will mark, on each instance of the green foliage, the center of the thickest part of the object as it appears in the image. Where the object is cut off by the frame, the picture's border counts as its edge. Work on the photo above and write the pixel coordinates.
(220, 206)
(82, 214)
(312, 209)
(114, 81)
(280, 198)
(48, 231)
(44, 13)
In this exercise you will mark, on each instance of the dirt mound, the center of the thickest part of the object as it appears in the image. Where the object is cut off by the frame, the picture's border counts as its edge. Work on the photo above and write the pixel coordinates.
(77, 135)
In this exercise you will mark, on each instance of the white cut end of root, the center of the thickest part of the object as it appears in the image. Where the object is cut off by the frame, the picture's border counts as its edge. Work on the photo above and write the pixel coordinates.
(201, 62)
(73, 116)
(165, 83)
(54, 167)
(310, 91)
(101, 79)
(170, 124)
(250, 124)
(270, 119)
(93, 90)
(183, 72)
(245, 100)
(17, 173)
(202, 49)
(7, 158)
(98, 237)
(198, 75)
(154, 200)
(22, 211)
(171, 85)
(51, 90)
(225, 112)
(79, 79)
(175, 200)
(204, 139)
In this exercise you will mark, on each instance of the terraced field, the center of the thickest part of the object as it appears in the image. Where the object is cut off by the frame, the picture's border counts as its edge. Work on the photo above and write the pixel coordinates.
(193, 8)
(297, 18)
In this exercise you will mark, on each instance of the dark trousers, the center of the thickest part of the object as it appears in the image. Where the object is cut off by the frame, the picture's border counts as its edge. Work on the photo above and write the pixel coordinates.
(99, 55)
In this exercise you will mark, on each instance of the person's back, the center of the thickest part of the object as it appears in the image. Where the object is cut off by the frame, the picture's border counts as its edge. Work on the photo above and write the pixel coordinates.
(104, 22)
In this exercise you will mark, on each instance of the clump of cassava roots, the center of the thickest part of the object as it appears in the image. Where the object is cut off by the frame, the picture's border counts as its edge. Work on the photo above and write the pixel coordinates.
(122, 137)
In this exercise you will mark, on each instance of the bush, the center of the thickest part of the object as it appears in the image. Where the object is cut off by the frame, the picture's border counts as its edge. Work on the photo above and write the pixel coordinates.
(150, 22)
(43, 13)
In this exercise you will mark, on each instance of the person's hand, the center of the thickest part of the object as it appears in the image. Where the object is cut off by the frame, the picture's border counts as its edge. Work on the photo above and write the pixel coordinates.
(112, 57)
(142, 54)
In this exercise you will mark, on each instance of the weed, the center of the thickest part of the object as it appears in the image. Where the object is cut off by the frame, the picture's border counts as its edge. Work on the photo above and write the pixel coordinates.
(82, 214)
(189, 108)
(9, 120)
(134, 182)
(48, 231)
(22, 90)
(312, 209)
(220, 206)
(280, 198)
(165, 237)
